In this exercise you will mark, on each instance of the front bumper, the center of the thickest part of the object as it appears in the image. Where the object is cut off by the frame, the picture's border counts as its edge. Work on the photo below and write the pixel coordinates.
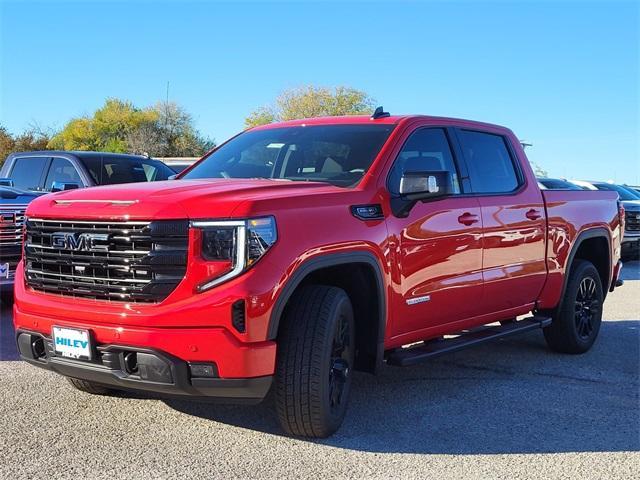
(155, 371)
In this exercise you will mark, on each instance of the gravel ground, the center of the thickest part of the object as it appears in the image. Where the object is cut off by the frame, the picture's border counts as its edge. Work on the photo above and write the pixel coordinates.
(510, 410)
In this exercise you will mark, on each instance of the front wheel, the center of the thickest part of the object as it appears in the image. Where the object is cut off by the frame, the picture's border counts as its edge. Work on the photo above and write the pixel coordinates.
(576, 324)
(315, 361)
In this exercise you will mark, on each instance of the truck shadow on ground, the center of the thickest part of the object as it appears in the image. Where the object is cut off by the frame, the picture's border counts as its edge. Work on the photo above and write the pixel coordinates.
(513, 396)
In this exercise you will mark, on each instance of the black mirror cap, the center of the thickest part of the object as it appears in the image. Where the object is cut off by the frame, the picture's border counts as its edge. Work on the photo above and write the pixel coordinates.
(6, 182)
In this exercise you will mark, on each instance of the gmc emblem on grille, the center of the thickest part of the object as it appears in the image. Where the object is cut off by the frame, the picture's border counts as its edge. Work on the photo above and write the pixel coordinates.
(7, 218)
(79, 241)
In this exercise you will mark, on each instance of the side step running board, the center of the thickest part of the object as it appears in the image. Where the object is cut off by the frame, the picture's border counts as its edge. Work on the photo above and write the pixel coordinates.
(403, 357)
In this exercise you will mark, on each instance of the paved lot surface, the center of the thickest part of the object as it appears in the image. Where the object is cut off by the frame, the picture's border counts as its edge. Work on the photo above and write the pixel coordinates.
(508, 410)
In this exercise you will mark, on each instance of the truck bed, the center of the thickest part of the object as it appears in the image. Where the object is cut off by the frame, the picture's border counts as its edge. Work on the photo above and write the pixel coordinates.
(569, 214)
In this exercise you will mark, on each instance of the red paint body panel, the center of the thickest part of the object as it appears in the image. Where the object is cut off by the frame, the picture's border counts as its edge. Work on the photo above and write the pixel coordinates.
(501, 266)
(570, 213)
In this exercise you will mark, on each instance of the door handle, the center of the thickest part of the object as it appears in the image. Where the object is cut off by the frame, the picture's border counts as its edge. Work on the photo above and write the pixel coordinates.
(533, 214)
(468, 219)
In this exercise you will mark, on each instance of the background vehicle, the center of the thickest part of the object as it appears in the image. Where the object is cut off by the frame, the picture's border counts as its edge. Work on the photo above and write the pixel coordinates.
(13, 203)
(179, 164)
(50, 171)
(630, 200)
(557, 184)
(298, 252)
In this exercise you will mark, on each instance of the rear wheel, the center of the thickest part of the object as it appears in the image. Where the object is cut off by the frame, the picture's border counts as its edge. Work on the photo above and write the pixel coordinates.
(576, 324)
(89, 387)
(315, 360)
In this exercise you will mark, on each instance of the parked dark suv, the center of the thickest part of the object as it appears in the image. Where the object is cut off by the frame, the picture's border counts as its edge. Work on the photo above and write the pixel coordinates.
(51, 171)
(26, 175)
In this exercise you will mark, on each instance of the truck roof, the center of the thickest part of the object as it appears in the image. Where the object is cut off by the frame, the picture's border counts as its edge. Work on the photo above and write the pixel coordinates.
(366, 119)
(76, 153)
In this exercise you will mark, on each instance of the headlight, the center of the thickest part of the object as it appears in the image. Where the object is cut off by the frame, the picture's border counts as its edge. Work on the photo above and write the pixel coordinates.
(239, 242)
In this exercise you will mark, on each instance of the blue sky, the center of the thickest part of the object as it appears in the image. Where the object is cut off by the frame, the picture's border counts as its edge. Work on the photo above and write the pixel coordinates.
(562, 75)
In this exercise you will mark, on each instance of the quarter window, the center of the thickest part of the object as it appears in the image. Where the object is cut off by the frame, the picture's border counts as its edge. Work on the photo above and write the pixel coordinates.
(491, 169)
(426, 150)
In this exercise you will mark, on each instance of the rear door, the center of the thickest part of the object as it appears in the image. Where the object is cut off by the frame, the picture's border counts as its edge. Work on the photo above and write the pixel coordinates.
(437, 246)
(513, 216)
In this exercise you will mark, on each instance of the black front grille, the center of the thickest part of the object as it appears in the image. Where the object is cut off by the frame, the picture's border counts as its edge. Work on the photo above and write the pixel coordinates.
(119, 261)
(11, 224)
(632, 221)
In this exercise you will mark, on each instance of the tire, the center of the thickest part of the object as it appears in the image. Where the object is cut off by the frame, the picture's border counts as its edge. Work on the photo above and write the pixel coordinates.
(576, 323)
(89, 387)
(315, 361)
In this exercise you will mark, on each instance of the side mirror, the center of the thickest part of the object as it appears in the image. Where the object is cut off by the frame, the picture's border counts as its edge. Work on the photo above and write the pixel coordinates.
(172, 177)
(6, 182)
(422, 185)
(416, 186)
(62, 186)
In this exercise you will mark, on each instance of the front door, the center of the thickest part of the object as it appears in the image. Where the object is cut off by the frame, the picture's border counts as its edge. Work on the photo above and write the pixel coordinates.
(437, 247)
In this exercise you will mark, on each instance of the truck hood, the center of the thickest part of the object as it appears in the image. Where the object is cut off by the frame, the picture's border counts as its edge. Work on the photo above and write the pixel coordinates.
(173, 199)
(16, 195)
(631, 205)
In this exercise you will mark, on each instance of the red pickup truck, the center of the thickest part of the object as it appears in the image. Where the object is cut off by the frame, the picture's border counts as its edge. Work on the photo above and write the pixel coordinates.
(298, 252)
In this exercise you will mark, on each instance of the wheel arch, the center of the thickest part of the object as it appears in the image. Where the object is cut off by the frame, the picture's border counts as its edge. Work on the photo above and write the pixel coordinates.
(345, 270)
(586, 247)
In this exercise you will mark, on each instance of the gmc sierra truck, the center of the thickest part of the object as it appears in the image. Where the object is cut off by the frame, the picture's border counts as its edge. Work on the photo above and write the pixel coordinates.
(298, 252)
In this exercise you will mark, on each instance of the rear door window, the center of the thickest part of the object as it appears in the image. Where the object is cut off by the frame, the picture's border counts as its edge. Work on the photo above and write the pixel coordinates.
(491, 168)
(27, 172)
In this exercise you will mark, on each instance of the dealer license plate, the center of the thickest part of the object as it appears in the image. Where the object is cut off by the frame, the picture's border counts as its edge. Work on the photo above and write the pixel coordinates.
(72, 343)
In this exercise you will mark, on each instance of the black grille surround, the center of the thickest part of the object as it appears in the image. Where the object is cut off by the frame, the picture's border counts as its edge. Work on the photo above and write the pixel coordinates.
(136, 261)
(632, 221)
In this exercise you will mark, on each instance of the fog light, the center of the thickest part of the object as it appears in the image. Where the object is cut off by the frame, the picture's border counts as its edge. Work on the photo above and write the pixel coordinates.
(131, 362)
(38, 347)
(203, 370)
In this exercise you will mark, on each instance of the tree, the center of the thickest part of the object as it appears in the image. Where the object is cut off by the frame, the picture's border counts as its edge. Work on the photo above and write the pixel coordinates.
(310, 101)
(7, 144)
(165, 129)
(31, 139)
(106, 130)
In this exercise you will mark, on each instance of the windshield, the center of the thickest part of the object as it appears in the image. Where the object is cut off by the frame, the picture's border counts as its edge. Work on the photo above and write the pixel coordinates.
(110, 170)
(623, 192)
(337, 154)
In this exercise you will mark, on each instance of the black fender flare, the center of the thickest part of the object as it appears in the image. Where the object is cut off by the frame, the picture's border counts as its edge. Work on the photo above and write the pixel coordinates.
(332, 260)
(596, 232)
